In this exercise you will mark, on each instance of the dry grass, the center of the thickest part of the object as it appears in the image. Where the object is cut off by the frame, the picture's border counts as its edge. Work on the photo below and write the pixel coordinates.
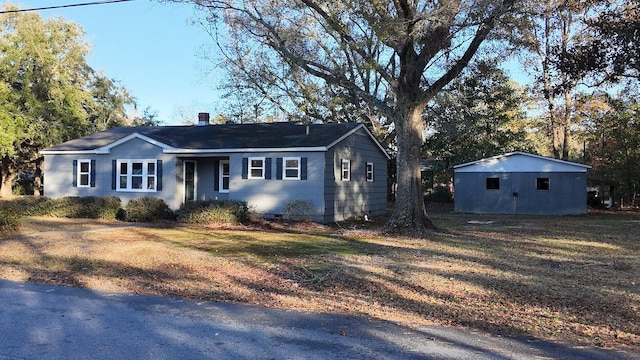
(574, 279)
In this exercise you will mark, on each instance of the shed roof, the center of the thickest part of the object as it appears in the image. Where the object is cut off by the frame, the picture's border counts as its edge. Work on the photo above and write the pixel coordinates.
(217, 138)
(520, 162)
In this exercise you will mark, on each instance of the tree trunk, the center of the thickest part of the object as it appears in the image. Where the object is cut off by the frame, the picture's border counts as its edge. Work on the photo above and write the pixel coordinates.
(37, 177)
(548, 86)
(409, 214)
(8, 176)
(566, 137)
(567, 22)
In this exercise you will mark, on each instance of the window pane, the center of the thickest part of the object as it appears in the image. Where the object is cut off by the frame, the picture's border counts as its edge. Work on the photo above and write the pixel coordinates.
(291, 173)
(346, 170)
(256, 163)
(123, 182)
(542, 183)
(225, 183)
(291, 163)
(136, 182)
(493, 183)
(151, 168)
(256, 173)
(123, 168)
(225, 168)
(151, 182)
(136, 168)
(84, 179)
(84, 167)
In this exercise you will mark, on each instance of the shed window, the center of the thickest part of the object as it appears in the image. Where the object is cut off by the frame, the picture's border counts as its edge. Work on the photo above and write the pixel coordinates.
(542, 184)
(493, 183)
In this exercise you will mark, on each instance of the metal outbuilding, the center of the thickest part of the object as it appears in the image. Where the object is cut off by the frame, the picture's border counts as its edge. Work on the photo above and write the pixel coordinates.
(521, 183)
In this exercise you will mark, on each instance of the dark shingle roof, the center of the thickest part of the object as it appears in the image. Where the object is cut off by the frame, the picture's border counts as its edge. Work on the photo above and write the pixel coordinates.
(228, 136)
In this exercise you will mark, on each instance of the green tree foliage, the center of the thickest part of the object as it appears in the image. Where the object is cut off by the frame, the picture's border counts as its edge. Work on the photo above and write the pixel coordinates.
(612, 50)
(558, 26)
(148, 118)
(384, 58)
(480, 114)
(613, 142)
(48, 92)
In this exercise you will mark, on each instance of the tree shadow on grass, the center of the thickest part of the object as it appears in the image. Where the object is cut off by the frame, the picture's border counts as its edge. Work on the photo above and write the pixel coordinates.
(586, 294)
(537, 265)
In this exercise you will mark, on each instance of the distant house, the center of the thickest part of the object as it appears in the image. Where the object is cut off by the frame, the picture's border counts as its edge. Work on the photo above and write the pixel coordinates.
(521, 183)
(339, 168)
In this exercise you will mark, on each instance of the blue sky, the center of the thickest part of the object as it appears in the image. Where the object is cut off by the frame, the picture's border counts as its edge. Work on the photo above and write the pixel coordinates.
(150, 48)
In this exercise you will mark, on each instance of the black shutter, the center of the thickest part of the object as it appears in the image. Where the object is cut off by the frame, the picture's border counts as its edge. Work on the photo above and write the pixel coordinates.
(75, 173)
(159, 175)
(303, 168)
(245, 168)
(267, 168)
(278, 168)
(92, 179)
(114, 174)
(216, 176)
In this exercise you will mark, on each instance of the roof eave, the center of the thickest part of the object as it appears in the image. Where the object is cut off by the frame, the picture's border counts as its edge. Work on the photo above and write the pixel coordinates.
(506, 155)
(244, 150)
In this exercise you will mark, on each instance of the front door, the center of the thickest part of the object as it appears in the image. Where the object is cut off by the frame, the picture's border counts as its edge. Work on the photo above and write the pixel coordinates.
(189, 181)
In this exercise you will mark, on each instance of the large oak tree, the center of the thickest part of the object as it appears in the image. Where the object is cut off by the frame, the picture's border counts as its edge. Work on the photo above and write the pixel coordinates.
(48, 93)
(392, 56)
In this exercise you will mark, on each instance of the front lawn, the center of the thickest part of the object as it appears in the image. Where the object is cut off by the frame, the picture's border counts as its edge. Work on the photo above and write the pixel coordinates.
(574, 279)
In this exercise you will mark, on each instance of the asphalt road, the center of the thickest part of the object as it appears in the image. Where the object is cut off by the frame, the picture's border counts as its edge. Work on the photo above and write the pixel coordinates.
(49, 322)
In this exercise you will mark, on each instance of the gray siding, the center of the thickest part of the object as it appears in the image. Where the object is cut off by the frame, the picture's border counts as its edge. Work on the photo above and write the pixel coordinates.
(356, 197)
(268, 197)
(566, 195)
(207, 170)
(58, 173)
(332, 198)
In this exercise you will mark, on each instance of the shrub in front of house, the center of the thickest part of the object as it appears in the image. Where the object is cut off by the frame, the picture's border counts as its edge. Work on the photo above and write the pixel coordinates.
(38, 206)
(9, 221)
(75, 207)
(146, 209)
(214, 211)
(26, 205)
(299, 210)
(92, 207)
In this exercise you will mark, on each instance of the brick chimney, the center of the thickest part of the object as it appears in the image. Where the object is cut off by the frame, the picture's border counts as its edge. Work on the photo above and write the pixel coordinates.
(203, 119)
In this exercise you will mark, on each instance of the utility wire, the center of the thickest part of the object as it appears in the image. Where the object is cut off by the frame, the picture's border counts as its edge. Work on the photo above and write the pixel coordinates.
(65, 6)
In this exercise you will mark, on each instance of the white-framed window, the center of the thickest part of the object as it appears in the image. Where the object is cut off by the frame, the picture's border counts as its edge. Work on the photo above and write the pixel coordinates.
(345, 171)
(137, 175)
(84, 173)
(291, 168)
(370, 172)
(225, 176)
(256, 168)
